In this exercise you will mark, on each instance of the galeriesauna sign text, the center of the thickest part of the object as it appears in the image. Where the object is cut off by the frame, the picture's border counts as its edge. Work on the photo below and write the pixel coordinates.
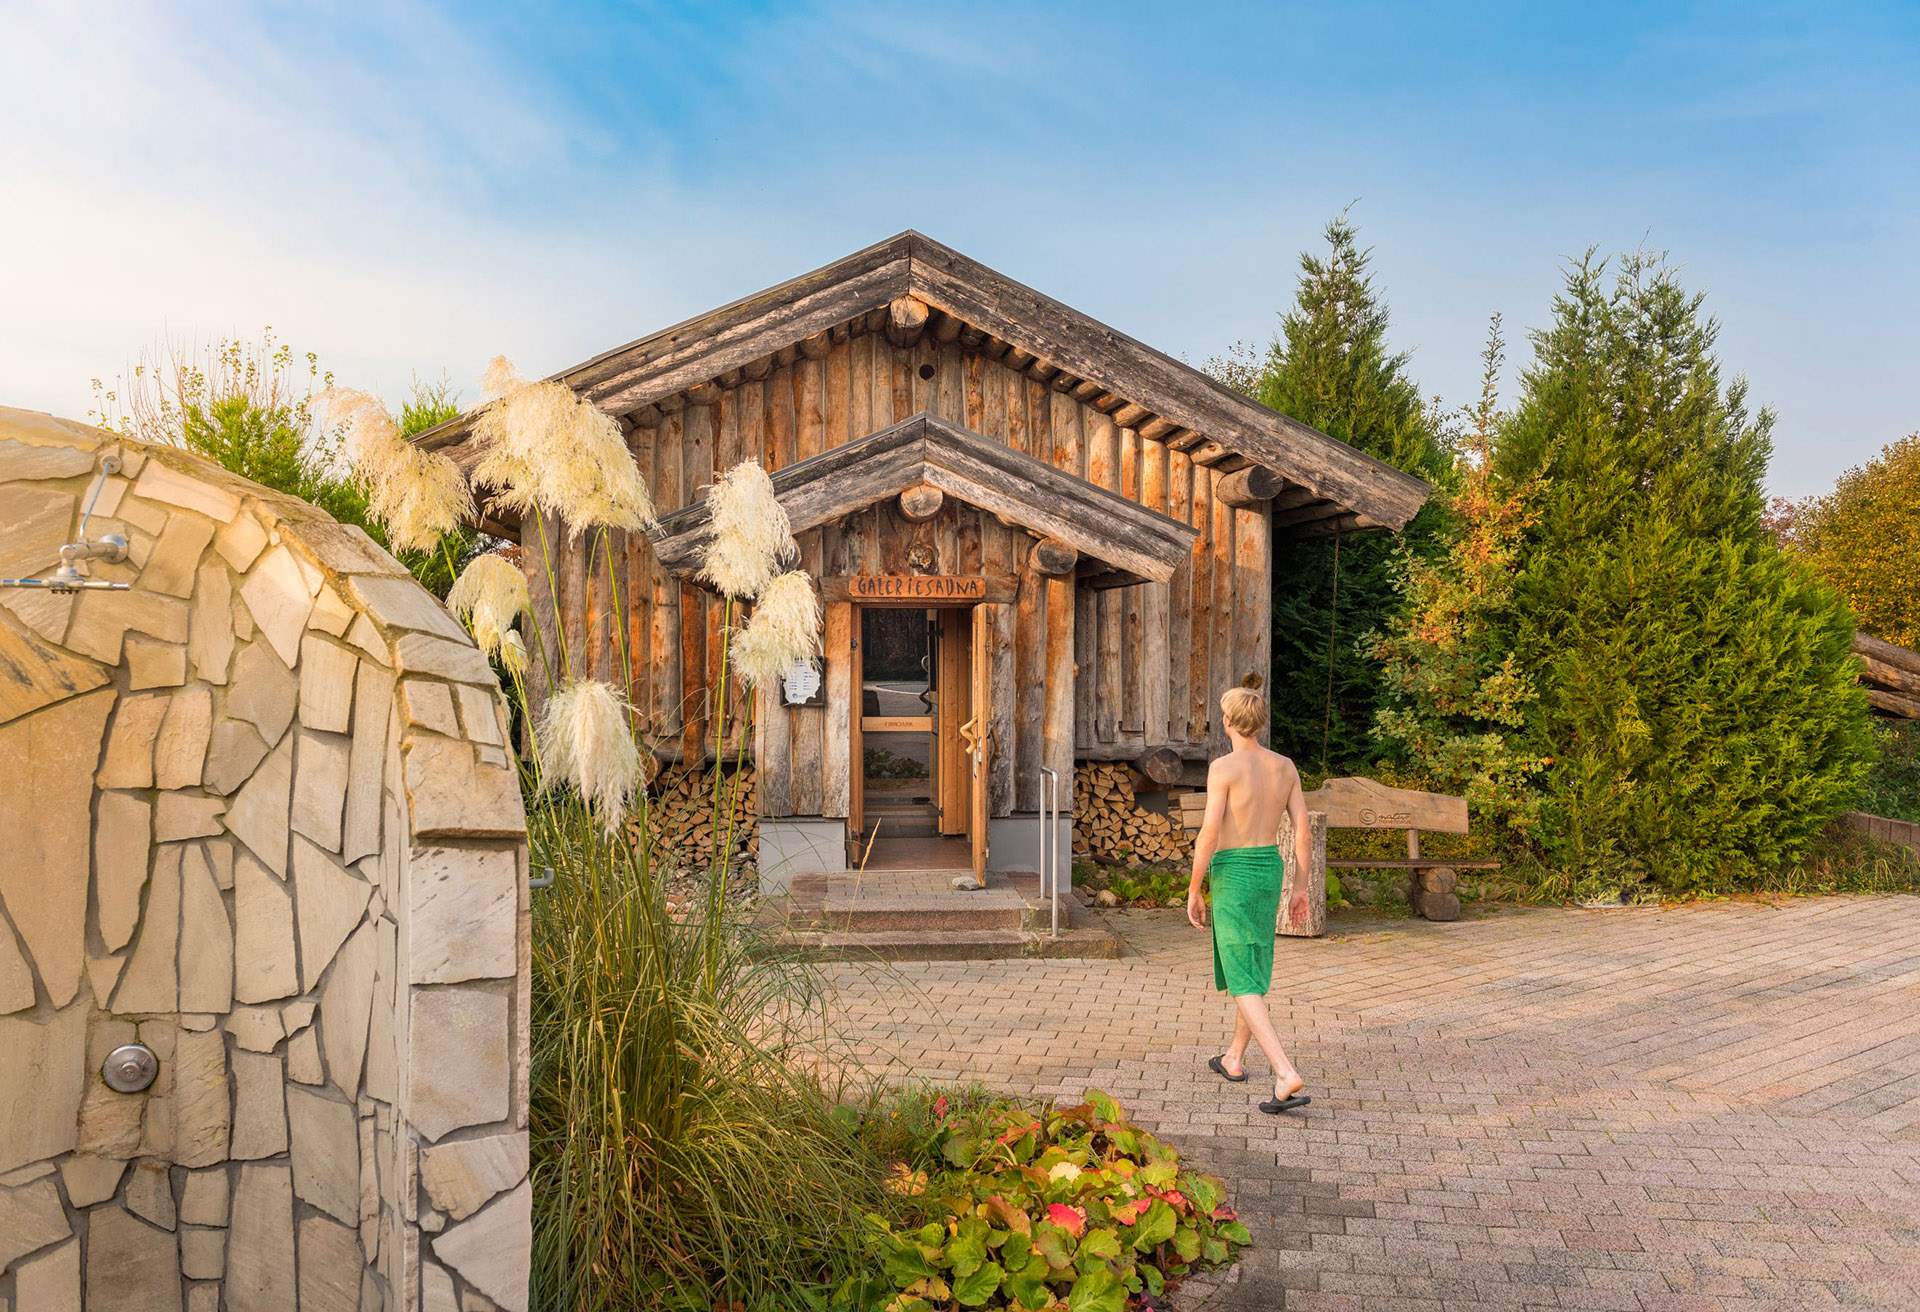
(930, 587)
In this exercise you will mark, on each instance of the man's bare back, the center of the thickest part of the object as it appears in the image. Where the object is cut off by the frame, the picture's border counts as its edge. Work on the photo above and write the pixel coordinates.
(1256, 784)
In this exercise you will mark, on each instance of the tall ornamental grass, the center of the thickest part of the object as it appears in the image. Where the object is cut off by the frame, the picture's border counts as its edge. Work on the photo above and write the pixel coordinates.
(684, 1154)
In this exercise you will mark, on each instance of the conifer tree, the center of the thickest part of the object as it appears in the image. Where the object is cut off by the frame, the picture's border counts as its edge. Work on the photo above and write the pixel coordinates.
(1453, 697)
(1694, 692)
(1331, 367)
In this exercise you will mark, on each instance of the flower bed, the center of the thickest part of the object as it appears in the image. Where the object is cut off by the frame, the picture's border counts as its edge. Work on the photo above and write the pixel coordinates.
(1015, 1207)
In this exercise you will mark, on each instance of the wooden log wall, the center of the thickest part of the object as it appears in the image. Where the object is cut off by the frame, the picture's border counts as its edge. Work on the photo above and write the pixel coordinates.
(1152, 658)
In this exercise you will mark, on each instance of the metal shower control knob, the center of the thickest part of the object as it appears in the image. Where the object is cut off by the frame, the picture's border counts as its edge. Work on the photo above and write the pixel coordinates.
(130, 1068)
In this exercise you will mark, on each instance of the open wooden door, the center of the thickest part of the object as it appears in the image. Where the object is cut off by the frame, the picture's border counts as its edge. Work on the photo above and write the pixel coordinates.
(979, 740)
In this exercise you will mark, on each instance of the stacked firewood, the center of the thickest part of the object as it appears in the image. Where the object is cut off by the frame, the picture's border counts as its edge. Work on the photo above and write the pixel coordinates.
(684, 821)
(1110, 825)
(1891, 674)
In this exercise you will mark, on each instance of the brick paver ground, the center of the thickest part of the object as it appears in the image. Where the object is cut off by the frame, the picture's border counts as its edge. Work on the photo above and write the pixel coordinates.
(1711, 1107)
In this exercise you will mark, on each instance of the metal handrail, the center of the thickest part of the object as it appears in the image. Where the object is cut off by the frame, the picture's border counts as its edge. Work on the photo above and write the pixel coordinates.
(1050, 843)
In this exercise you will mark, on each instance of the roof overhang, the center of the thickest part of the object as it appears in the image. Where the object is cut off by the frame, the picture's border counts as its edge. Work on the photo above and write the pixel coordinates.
(1130, 543)
(1344, 486)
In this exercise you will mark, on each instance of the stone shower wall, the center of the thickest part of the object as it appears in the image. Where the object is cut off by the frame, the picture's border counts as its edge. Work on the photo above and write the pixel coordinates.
(257, 813)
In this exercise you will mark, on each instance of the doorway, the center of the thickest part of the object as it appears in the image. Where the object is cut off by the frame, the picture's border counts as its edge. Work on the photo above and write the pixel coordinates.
(915, 741)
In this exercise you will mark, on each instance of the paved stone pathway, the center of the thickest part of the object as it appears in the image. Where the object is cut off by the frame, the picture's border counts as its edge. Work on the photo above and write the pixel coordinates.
(1711, 1107)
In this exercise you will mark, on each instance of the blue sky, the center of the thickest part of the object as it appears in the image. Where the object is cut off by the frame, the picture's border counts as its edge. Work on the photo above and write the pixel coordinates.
(409, 190)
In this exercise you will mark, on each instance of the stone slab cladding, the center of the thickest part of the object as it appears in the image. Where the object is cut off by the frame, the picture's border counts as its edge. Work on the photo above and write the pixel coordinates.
(259, 815)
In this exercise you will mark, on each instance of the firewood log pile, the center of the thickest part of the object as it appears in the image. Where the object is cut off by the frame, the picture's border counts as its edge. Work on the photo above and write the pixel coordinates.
(1891, 675)
(1112, 827)
(685, 827)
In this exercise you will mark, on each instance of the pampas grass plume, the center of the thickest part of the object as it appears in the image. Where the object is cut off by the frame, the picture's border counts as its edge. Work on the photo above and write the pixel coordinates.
(489, 595)
(545, 449)
(513, 653)
(418, 496)
(750, 538)
(585, 741)
(784, 628)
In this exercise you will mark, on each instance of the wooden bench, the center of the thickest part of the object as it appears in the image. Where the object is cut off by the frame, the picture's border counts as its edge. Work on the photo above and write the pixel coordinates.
(1360, 803)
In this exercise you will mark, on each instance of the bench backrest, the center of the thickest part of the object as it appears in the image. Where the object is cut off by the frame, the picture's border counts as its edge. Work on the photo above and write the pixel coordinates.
(1360, 803)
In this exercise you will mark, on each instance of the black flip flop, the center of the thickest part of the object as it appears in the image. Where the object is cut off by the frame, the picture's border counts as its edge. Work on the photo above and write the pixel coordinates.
(1219, 1068)
(1274, 1106)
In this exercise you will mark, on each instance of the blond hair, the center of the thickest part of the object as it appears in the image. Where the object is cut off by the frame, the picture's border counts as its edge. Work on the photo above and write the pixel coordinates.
(1243, 710)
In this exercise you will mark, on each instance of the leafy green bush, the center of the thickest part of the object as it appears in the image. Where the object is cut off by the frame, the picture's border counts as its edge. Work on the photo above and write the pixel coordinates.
(1011, 1207)
(1893, 788)
(1142, 887)
(253, 409)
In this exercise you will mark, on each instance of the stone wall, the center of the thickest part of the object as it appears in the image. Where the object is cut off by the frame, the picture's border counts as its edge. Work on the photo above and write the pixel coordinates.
(259, 815)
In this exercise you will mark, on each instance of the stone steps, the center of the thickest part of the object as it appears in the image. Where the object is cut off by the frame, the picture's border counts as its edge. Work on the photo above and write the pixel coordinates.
(954, 944)
(916, 915)
(987, 908)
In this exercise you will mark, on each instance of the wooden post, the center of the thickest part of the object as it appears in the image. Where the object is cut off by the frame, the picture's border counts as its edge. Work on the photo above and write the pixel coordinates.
(1179, 604)
(837, 763)
(1058, 716)
(1155, 656)
(1030, 682)
(1313, 880)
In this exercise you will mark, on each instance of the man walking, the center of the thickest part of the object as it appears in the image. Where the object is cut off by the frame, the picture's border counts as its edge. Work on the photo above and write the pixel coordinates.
(1238, 853)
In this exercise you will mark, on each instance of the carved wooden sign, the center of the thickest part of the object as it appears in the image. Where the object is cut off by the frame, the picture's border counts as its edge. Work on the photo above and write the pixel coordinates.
(916, 587)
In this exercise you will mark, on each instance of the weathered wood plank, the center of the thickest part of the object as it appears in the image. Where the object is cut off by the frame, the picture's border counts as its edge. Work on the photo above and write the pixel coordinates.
(860, 387)
(1057, 731)
(1132, 707)
(1220, 658)
(1029, 659)
(664, 650)
(997, 557)
(838, 403)
(780, 418)
(1153, 659)
(836, 764)
(1200, 648)
(1179, 604)
(809, 722)
(1069, 453)
(1253, 598)
(536, 560)
(1086, 659)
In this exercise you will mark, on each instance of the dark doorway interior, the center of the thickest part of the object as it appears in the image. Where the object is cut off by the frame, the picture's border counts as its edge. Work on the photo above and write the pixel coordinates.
(900, 677)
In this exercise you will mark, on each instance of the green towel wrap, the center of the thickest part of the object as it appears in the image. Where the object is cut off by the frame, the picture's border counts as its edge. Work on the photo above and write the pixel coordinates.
(1245, 882)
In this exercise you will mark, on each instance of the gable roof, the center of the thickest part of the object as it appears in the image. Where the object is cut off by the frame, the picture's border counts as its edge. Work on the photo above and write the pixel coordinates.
(1134, 543)
(1365, 491)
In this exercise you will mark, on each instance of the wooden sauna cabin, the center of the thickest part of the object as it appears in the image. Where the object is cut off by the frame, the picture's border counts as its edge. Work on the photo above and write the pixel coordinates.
(1038, 542)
